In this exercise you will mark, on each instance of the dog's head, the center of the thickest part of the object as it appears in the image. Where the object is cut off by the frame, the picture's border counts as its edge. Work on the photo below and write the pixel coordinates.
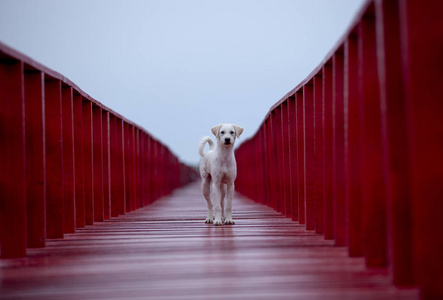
(227, 133)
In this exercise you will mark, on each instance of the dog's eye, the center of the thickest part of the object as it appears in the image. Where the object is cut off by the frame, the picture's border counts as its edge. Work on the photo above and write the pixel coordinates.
(232, 132)
(222, 132)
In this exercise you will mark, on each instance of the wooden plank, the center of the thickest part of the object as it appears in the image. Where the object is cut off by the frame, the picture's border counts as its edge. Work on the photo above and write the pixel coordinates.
(166, 251)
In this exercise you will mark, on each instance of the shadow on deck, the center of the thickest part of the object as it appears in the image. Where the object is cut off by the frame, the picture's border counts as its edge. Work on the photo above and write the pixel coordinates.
(166, 251)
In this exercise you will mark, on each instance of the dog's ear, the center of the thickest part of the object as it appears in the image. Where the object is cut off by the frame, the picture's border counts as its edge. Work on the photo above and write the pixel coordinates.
(215, 130)
(238, 130)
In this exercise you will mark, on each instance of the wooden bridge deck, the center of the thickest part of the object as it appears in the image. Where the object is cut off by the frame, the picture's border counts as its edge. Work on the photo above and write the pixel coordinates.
(166, 251)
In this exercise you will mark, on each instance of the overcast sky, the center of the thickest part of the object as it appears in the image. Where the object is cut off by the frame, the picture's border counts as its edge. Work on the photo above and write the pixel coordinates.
(177, 68)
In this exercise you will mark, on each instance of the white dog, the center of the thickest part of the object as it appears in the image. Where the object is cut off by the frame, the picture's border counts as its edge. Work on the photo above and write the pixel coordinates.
(218, 171)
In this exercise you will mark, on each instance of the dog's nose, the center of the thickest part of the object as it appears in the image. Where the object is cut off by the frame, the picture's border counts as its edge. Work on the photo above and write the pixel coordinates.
(227, 140)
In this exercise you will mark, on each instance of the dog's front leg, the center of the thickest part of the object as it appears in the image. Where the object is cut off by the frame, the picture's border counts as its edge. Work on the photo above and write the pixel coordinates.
(216, 198)
(229, 197)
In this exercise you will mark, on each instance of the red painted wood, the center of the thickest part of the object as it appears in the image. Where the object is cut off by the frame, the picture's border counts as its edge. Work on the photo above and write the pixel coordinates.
(166, 251)
(115, 192)
(318, 152)
(79, 162)
(338, 151)
(300, 158)
(286, 164)
(395, 141)
(148, 170)
(106, 166)
(270, 178)
(276, 162)
(128, 167)
(68, 161)
(12, 161)
(133, 170)
(88, 160)
(352, 148)
(97, 155)
(136, 169)
(35, 159)
(327, 152)
(293, 156)
(54, 159)
(421, 30)
(373, 185)
(121, 179)
(308, 142)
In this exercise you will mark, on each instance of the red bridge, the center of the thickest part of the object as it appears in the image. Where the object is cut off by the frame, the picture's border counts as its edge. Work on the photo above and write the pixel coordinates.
(345, 172)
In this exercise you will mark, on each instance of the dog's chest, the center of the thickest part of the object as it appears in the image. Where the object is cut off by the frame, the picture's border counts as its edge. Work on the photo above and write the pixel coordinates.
(225, 169)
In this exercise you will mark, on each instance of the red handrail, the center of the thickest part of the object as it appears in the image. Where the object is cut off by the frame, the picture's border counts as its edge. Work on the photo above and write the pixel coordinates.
(354, 151)
(67, 160)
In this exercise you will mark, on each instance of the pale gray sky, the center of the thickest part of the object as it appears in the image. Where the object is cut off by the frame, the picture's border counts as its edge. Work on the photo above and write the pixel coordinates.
(177, 68)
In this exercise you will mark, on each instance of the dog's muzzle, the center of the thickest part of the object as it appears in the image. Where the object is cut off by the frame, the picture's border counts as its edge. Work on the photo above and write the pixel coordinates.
(227, 141)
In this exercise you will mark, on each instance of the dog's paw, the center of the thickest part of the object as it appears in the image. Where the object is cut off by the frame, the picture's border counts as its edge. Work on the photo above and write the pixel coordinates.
(218, 223)
(229, 222)
(208, 221)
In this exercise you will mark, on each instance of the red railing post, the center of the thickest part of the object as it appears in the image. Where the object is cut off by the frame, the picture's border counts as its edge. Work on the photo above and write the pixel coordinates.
(292, 120)
(327, 152)
(106, 165)
(277, 159)
(133, 182)
(79, 162)
(12, 161)
(128, 166)
(35, 158)
(308, 142)
(318, 152)
(352, 148)
(338, 150)
(421, 32)
(97, 163)
(395, 141)
(373, 185)
(88, 162)
(138, 161)
(68, 160)
(54, 159)
(286, 165)
(120, 166)
(300, 157)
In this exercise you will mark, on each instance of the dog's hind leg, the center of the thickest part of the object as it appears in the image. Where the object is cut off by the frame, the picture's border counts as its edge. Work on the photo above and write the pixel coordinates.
(207, 194)
(229, 197)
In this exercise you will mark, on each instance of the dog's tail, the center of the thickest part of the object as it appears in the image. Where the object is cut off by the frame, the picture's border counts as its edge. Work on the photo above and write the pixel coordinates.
(203, 142)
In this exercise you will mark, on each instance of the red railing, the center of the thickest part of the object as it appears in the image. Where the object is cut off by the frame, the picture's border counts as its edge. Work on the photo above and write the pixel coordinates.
(67, 161)
(355, 150)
